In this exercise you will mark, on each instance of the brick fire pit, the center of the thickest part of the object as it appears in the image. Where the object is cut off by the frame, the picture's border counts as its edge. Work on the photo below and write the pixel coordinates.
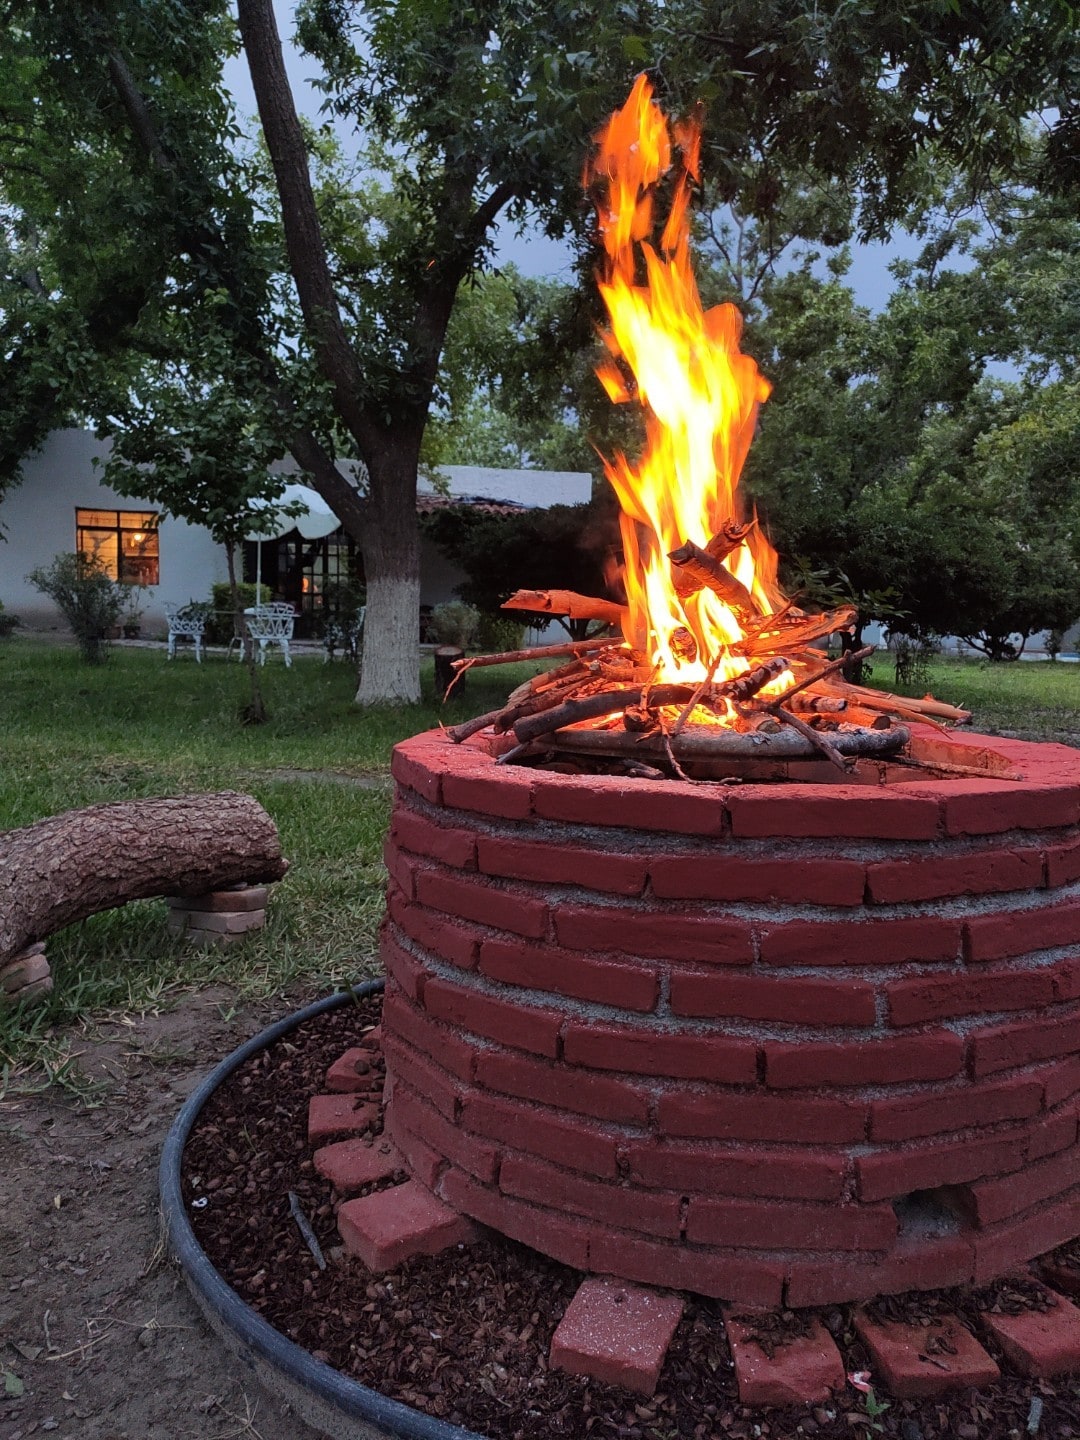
(781, 1043)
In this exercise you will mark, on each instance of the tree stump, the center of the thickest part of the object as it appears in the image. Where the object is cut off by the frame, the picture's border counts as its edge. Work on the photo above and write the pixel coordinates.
(445, 656)
(74, 865)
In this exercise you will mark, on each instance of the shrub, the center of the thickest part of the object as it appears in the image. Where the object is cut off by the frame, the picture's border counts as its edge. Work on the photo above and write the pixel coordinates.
(8, 622)
(88, 599)
(498, 633)
(454, 623)
(219, 622)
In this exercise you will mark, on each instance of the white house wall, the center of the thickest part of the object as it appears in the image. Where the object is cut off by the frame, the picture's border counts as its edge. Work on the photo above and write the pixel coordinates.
(37, 522)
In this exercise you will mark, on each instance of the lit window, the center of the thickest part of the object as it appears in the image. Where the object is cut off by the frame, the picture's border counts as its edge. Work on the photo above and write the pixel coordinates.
(123, 542)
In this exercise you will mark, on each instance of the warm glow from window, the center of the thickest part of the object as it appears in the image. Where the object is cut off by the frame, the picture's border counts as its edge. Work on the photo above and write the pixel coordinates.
(123, 542)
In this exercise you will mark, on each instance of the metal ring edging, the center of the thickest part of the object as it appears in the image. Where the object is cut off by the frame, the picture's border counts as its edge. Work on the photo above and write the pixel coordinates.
(323, 1396)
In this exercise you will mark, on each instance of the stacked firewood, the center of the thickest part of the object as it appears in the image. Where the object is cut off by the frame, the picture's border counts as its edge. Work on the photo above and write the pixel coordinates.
(609, 685)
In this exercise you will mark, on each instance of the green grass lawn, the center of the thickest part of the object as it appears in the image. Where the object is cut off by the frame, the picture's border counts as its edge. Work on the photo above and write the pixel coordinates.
(74, 735)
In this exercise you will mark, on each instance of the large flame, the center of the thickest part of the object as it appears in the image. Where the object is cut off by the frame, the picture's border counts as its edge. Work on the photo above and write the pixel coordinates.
(699, 392)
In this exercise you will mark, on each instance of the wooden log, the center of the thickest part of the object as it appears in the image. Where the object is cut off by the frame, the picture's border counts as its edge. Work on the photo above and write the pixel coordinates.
(568, 603)
(541, 652)
(695, 569)
(73, 865)
(927, 707)
(789, 636)
(593, 707)
(728, 538)
(718, 741)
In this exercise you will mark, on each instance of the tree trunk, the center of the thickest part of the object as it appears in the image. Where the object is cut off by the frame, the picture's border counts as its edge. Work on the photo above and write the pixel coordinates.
(390, 666)
(445, 656)
(76, 864)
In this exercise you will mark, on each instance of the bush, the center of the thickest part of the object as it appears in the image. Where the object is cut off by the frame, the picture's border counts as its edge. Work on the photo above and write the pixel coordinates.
(88, 599)
(8, 623)
(219, 622)
(454, 623)
(912, 656)
(498, 633)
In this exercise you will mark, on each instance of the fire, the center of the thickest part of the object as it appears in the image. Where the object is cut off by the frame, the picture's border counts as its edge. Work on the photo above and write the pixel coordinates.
(700, 395)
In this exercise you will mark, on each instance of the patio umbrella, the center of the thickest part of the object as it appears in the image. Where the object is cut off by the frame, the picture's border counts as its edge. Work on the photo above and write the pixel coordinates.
(314, 520)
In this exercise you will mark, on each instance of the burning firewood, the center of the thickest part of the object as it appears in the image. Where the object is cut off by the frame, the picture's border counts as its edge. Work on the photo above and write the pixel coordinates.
(568, 603)
(695, 569)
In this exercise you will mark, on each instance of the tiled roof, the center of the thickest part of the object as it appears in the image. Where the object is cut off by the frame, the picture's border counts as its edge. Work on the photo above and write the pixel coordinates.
(426, 504)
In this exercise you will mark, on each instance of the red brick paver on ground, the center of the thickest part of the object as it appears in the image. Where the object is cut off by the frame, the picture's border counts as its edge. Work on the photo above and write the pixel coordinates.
(349, 1165)
(616, 1332)
(390, 1227)
(804, 1371)
(351, 1072)
(1040, 1343)
(915, 1361)
(331, 1116)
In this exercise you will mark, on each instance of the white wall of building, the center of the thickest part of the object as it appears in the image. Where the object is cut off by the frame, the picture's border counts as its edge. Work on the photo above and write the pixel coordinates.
(37, 522)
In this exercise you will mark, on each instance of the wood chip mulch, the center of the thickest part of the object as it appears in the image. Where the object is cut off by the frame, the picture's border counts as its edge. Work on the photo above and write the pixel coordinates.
(465, 1335)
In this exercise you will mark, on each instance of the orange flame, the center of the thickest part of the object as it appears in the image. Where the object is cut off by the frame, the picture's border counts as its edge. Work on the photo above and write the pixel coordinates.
(699, 392)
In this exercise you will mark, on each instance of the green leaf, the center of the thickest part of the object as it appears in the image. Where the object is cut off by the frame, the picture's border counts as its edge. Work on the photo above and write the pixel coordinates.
(13, 1386)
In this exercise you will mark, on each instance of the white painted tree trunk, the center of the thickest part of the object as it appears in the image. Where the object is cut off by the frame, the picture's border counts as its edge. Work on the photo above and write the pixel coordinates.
(390, 666)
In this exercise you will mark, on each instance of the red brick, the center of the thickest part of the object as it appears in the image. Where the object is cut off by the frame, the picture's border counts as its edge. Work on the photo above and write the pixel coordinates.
(900, 1355)
(331, 1116)
(718, 1057)
(1063, 863)
(1039, 1343)
(451, 942)
(552, 1234)
(682, 1267)
(436, 1041)
(1006, 1046)
(562, 865)
(670, 806)
(933, 1055)
(411, 831)
(934, 877)
(844, 811)
(401, 869)
(401, 967)
(349, 1165)
(1066, 978)
(510, 1022)
(785, 880)
(567, 1141)
(410, 765)
(861, 942)
(804, 1370)
(888, 1174)
(802, 1001)
(350, 1073)
(564, 1087)
(730, 1115)
(240, 899)
(408, 1108)
(935, 997)
(391, 1226)
(475, 899)
(930, 1265)
(1019, 932)
(441, 1089)
(1051, 1134)
(478, 789)
(423, 1163)
(571, 973)
(661, 934)
(738, 1170)
(1060, 1082)
(765, 1225)
(617, 1333)
(1007, 1195)
(987, 807)
(1002, 1247)
(912, 1116)
(654, 1212)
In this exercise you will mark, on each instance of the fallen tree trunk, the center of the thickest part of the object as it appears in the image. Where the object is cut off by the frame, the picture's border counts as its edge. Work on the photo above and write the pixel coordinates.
(71, 866)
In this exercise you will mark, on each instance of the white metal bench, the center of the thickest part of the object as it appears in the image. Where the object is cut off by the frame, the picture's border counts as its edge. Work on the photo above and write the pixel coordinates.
(186, 622)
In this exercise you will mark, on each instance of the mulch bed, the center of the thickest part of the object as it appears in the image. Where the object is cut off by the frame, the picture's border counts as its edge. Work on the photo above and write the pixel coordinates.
(465, 1335)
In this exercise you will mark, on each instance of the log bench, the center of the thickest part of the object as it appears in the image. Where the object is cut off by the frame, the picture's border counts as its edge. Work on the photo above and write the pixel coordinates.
(211, 855)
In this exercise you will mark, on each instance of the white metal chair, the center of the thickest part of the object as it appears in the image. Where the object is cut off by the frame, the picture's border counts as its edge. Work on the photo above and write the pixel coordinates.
(347, 638)
(186, 622)
(271, 625)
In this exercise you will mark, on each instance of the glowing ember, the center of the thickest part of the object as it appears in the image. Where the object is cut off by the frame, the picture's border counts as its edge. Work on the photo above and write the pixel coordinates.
(700, 395)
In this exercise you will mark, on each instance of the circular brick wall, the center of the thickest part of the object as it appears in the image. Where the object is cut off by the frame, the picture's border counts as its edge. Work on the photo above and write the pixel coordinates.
(788, 1044)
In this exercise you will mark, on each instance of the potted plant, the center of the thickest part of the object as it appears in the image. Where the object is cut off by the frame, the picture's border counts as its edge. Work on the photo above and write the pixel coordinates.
(131, 615)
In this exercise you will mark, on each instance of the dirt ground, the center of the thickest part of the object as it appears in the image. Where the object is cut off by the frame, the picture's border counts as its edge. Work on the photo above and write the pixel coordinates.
(99, 1339)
